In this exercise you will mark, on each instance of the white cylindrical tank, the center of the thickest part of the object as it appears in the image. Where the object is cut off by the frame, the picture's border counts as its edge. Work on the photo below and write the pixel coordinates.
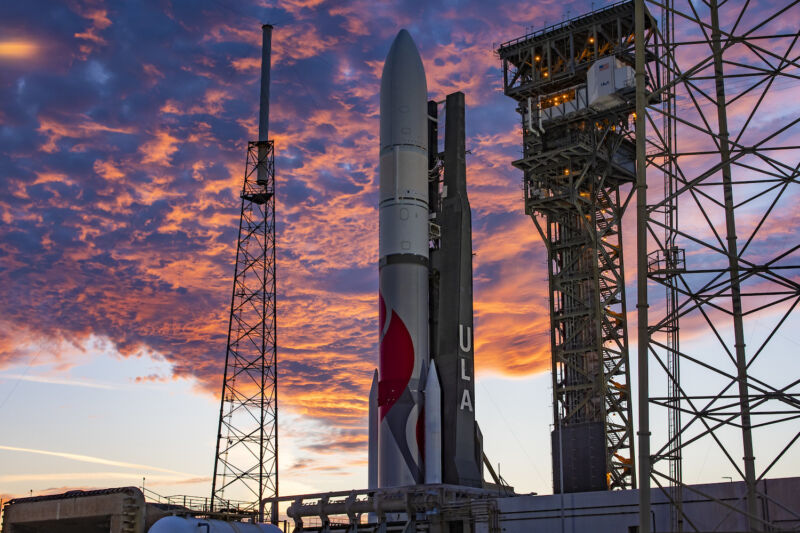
(178, 524)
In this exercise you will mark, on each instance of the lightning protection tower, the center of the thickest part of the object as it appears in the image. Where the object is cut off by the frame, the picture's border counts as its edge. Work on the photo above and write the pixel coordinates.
(717, 125)
(574, 86)
(246, 461)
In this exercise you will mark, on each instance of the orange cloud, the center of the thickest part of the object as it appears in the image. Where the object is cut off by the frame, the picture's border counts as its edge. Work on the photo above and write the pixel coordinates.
(81, 127)
(159, 149)
(99, 21)
(213, 103)
(291, 42)
(108, 169)
(246, 63)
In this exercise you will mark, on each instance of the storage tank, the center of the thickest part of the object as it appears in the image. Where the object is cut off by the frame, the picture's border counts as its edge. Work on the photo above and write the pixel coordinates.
(178, 524)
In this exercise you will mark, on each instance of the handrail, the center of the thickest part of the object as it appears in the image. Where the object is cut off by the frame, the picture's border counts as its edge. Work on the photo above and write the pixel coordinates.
(560, 25)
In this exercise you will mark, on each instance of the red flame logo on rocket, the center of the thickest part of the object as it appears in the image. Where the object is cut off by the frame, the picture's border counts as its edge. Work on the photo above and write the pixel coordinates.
(396, 359)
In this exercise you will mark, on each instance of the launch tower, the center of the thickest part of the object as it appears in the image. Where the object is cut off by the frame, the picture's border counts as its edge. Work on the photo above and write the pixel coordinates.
(574, 86)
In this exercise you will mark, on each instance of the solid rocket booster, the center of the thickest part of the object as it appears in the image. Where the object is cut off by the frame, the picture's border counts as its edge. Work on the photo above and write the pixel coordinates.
(433, 427)
(403, 298)
(372, 440)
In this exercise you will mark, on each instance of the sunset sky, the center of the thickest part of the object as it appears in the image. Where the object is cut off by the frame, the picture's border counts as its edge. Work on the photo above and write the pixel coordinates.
(123, 130)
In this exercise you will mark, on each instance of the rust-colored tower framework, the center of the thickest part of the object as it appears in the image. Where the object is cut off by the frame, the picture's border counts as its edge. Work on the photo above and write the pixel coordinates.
(578, 167)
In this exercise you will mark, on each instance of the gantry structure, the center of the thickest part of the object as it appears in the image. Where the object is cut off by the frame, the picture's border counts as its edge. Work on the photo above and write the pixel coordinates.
(574, 86)
(717, 132)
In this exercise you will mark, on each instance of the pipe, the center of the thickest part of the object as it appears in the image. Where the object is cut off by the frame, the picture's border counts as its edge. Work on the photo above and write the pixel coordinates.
(262, 176)
(263, 112)
(643, 338)
(530, 118)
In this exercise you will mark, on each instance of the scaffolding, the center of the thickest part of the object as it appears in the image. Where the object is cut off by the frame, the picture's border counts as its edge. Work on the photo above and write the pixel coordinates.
(575, 91)
(711, 128)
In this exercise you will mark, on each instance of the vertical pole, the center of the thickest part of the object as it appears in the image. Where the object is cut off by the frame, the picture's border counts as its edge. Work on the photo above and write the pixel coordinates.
(274, 293)
(263, 112)
(733, 263)
(264, 296)
(561, 475)
(274, 508)
(643, 339)
(262, 177)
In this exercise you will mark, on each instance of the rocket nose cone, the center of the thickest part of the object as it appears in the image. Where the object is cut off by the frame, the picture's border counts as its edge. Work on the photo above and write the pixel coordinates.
(403, 59)
(403, 40)
(404, 95)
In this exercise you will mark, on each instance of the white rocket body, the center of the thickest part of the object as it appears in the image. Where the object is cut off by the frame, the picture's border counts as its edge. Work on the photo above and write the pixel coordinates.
(433, 427)
(403, 212)
(372, 440)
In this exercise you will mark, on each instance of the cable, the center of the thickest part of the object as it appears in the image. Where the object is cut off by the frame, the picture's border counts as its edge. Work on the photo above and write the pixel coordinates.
(538, 473)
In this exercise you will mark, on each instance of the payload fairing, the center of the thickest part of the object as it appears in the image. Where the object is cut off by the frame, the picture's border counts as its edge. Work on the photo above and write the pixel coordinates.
(422, 420)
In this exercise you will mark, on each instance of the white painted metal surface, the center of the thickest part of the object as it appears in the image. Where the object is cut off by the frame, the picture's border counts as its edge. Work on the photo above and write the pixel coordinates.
(178, 524)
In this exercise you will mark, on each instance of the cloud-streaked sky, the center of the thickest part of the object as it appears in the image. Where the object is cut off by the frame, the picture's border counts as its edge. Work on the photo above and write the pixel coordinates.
(123, 129)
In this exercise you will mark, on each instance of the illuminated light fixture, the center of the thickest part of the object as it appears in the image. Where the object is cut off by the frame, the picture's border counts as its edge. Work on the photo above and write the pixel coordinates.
(537, 58)
(566, 172)
(591, 40)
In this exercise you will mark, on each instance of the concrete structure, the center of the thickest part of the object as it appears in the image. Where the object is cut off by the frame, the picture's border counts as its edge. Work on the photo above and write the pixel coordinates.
(118, 510)
(618, 511)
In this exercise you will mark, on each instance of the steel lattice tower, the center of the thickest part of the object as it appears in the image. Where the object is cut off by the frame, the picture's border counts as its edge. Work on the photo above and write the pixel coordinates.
(246, 461)
(578, 165)
(247, 444)
(717, 124)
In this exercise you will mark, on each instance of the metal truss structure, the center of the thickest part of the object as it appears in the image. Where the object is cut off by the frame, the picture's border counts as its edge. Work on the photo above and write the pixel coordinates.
(246, 465)
(717, 124)
(578, 165)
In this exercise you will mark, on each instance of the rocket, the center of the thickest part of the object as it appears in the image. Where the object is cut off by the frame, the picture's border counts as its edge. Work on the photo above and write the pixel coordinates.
(403, 268)
(422, 425)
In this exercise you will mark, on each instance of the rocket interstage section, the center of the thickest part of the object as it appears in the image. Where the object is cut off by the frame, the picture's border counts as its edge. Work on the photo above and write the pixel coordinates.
(403, 316)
